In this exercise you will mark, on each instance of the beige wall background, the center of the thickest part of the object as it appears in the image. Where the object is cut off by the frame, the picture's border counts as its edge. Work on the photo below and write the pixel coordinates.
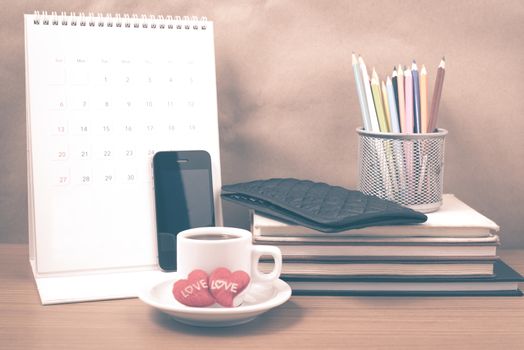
(286, 95)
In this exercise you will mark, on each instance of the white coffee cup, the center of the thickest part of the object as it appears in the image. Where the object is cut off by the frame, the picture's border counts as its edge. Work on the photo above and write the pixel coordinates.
(209, 248)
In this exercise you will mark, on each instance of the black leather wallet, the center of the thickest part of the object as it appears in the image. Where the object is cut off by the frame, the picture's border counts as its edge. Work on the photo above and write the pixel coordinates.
(318, 205)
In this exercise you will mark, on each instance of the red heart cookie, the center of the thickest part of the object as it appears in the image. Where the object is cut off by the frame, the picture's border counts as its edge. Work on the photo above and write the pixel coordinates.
(225, 286)
(194, 291)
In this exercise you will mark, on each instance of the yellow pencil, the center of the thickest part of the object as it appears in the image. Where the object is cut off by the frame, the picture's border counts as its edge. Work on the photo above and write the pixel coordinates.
(423, 99)
(377, 98)
(386, 105)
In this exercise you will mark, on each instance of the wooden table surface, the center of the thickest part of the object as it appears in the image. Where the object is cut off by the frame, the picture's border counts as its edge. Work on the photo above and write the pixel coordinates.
(304, 322)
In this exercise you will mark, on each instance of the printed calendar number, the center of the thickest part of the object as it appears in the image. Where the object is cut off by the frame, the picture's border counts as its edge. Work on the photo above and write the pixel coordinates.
(60, 152)
(56, 101)
(129, 153)
(104, 152)
(82, 176)
(149, 128)
(105, 128)
(104, 175)
(80, 127)
(81, 151)
(59, 128)
(61, 176)
(129, 176)
(62, 180)
(108, 178)
(78, 98)
(79, 104)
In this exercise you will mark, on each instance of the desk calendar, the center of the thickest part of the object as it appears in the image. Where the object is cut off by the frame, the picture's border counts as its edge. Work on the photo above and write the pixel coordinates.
(104, 93)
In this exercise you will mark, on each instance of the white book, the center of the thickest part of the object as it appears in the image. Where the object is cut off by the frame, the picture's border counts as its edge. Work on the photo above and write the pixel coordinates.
(453, 219)
(326, 268)
(481, 251)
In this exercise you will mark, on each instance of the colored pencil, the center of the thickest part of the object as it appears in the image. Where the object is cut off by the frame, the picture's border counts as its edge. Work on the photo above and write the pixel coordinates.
(401, 100)
(416, 97)
(437, 92)
(361, 94)
(395, 127)
(386, 105)
(395, 92)
(379, 106)
(369, 96)
(423, 99)
(408, 90)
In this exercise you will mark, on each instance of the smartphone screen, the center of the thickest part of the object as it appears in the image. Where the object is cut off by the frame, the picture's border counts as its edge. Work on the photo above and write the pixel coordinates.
(183, 198)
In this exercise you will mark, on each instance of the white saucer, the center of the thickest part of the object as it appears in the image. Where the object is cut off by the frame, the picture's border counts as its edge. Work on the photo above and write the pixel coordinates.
(259, 299)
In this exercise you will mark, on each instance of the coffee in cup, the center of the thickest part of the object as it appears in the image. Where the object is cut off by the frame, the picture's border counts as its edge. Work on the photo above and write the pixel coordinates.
(229, 259)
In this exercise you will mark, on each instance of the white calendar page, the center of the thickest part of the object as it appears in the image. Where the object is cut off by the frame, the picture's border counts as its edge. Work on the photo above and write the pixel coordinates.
(101, 100)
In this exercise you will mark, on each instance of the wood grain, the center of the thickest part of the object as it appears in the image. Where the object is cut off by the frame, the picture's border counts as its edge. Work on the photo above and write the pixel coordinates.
(302, 323)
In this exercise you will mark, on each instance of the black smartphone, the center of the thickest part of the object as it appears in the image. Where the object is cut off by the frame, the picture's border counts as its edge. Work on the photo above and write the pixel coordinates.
(183, 198)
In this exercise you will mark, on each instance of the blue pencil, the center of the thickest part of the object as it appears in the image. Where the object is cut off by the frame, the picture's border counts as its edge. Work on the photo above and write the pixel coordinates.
(416, 97)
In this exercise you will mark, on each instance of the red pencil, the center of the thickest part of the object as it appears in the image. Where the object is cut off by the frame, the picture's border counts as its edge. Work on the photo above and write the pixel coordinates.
(435, 102)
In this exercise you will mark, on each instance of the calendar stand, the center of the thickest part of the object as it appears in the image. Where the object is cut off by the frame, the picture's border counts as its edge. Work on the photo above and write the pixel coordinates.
(100, 286)
(103, 95)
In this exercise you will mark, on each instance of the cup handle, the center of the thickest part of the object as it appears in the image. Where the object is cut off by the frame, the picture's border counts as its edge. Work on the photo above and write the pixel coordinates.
(256, 253)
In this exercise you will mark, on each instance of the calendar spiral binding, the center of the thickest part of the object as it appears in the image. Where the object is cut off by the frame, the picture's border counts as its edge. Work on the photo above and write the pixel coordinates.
(120, 21)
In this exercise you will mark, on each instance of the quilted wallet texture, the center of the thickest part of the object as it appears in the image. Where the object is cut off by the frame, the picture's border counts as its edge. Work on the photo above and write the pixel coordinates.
(318, 205)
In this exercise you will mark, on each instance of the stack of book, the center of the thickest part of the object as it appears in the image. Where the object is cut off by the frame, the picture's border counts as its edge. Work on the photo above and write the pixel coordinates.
(453, 253)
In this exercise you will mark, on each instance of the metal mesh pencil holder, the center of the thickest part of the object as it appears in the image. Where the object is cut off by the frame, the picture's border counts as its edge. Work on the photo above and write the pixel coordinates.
(404, 168)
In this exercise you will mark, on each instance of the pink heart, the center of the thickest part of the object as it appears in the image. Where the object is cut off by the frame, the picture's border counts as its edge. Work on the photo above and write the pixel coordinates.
(225, 286)
(194, 291)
